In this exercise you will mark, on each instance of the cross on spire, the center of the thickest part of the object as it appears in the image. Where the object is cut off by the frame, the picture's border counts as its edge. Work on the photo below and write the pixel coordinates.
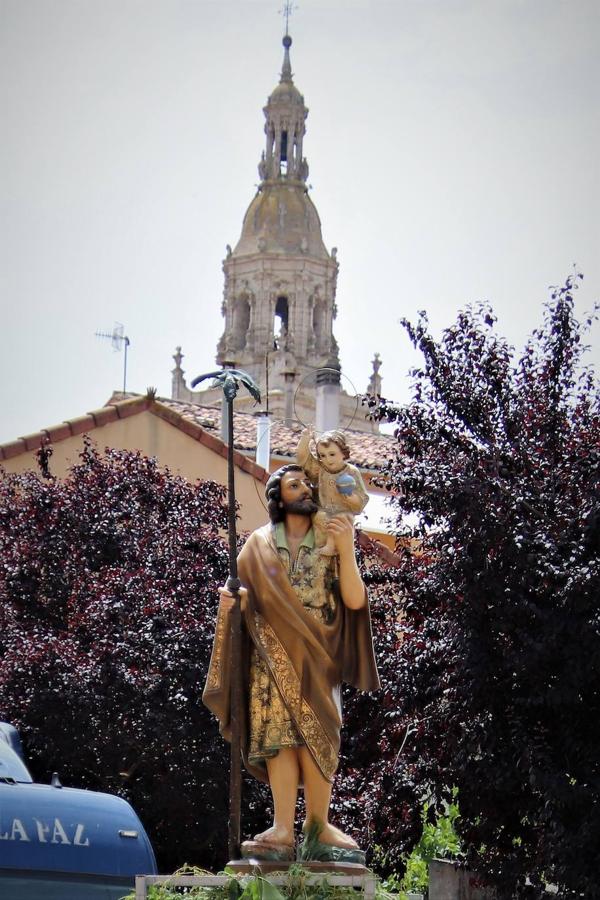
(286, 11)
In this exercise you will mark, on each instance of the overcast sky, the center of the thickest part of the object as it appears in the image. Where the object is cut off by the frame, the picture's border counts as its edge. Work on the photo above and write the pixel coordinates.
(453, 150)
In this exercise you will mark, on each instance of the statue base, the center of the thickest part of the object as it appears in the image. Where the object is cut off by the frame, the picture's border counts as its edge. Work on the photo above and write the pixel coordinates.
(263, 850)
(338, 874)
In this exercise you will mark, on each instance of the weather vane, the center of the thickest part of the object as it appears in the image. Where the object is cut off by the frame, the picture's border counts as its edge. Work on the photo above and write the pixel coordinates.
(286, 11)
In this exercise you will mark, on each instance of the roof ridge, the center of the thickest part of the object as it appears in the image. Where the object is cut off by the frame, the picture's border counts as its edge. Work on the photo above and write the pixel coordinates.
(95, 418)
(196, 431)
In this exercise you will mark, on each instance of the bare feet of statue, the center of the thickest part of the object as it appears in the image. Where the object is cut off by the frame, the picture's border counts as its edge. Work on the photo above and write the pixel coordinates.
(329, 834)
(276, 834)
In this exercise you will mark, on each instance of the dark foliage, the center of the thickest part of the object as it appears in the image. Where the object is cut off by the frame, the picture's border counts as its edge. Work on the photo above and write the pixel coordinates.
(108, 592)
(376, 797)
(497, 681)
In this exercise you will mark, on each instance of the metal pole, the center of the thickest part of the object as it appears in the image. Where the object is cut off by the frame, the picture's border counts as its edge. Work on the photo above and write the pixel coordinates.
(233, 585)
(125, 366)
(229, 378)
(267, 380)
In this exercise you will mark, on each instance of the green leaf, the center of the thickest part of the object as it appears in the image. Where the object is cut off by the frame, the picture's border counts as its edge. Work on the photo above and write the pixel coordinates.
(270, 891)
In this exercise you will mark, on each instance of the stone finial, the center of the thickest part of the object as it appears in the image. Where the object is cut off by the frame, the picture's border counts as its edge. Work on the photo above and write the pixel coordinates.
(303, 170)
(334, 353)
(262, 167)
(178, 356)
(178, 385)
(374, 386)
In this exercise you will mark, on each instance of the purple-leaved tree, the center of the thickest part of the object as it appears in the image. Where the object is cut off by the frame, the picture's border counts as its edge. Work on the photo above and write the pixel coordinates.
(495, 685)
(108, 590)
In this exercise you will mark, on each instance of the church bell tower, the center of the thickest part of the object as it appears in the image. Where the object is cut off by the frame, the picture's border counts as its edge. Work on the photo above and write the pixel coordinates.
(280, 280)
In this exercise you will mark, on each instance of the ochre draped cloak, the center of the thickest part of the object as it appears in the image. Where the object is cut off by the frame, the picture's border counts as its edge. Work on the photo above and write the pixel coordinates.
(308, 659)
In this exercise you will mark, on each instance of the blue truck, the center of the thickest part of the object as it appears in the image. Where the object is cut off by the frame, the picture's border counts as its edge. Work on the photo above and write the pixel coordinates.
(59, 843)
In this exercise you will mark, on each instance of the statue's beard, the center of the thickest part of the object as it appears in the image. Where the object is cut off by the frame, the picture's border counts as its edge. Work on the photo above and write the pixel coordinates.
(301, 507)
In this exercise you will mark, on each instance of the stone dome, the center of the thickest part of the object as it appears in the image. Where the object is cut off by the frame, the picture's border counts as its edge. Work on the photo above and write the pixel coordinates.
(282, 219)
(286, 92)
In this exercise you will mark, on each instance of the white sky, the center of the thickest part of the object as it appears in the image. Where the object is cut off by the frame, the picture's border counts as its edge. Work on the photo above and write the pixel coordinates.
(453, 150)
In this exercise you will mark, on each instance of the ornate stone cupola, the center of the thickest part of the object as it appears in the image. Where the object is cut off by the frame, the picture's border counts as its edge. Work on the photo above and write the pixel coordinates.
(286, 114)
(280, 279)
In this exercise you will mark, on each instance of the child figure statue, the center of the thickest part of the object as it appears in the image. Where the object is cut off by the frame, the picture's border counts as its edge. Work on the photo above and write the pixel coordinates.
(340, 485)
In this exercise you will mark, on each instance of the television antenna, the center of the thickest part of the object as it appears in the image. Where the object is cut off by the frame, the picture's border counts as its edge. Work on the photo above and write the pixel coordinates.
(118, 339)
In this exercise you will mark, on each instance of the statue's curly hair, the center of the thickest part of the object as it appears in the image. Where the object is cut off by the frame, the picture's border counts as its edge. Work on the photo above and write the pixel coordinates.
(335, 436)
(273, 491)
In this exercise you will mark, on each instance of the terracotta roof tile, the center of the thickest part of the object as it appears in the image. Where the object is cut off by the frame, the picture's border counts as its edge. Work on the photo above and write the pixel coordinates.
(60, 432)
(13, 448)
(194, 428)
(203, 423)
(105, 415)
(81, 424)
(34, 441)
(57, 432)
(368, 451)
(132, 407)
(121, 407)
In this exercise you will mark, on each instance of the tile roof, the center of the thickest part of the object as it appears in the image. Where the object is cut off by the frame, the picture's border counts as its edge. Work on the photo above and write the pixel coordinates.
(122, 407)
(368, 451)
(203, 423)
